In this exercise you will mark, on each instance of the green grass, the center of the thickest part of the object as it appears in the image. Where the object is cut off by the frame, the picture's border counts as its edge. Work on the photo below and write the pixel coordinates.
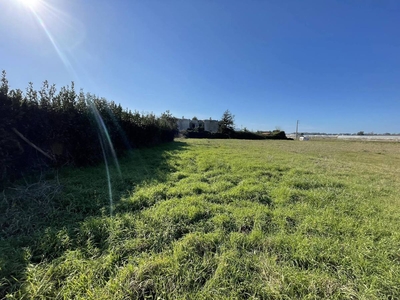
(212, 219)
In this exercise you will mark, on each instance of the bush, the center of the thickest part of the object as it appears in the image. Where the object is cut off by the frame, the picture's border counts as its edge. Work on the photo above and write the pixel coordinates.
(246, 135)
(277, 135)
(241, 135)
(202, 134)
(69, 128)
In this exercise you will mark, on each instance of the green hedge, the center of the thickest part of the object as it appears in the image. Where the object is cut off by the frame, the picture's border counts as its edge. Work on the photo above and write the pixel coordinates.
(241, 135)
(46, 128)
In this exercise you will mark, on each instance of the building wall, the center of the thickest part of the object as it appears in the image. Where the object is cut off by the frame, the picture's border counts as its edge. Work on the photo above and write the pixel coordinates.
(209, 125)
(183, 124)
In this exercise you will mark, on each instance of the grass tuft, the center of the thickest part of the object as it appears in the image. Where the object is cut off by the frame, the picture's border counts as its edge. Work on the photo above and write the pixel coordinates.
(211, 219)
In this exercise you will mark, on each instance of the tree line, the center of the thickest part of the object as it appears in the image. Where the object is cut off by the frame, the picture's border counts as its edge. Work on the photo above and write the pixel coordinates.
(51, 127)
(226, 130)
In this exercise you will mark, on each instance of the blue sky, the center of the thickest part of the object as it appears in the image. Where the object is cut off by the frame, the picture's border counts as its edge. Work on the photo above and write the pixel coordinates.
(333, 65)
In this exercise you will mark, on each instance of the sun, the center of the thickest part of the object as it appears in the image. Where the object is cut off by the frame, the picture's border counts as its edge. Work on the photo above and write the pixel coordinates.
(30, 3)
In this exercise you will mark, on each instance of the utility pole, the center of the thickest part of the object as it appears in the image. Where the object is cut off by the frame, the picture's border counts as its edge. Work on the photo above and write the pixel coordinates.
(297, 128)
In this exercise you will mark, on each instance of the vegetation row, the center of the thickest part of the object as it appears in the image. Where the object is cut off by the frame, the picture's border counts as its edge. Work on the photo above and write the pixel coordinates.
(239, 135)
(226, 130)
(53, 127)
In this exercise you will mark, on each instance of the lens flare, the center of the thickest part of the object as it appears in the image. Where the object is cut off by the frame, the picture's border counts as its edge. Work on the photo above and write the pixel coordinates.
(60, 29)
(60, 53)
(107, 149)
(47, 16)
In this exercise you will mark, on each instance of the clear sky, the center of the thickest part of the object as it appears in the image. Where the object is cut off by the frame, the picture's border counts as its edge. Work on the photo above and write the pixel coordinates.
(333, 65)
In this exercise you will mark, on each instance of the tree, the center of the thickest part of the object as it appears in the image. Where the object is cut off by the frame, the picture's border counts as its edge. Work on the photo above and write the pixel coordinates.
(4, 83)
(167, 120)
(10, 148)
(31, 94)
(44, 100)
(227, 123)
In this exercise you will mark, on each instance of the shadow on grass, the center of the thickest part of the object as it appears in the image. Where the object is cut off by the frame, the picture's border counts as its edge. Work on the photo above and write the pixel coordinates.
(39, 223)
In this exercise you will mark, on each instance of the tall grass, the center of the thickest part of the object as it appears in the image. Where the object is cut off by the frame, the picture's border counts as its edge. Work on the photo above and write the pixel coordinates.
(214, 219)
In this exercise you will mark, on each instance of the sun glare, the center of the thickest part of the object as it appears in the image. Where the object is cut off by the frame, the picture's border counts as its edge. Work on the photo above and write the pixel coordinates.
(57, 25)
(30, 3)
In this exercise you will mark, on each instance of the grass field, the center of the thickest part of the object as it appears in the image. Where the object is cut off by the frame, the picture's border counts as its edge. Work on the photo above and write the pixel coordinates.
(212, 219)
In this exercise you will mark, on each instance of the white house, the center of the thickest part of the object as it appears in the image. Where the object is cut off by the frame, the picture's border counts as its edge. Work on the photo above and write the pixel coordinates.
(208, 125)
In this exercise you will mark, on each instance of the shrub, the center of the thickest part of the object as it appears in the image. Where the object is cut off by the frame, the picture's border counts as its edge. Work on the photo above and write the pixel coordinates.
(69, 128)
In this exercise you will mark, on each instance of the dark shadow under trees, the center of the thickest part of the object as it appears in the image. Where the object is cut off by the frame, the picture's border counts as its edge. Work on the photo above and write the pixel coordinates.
(35, 215)
(46, 128)
(52, 144)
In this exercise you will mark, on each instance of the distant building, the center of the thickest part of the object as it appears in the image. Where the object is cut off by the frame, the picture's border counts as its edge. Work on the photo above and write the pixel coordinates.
(208, 125)
(266, 133)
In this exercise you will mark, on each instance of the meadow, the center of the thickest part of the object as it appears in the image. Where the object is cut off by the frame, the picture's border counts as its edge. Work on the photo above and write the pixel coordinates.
(211, 219)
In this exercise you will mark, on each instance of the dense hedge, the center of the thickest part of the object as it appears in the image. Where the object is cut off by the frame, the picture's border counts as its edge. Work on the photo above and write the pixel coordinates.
(52, 128)
(241, 135)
